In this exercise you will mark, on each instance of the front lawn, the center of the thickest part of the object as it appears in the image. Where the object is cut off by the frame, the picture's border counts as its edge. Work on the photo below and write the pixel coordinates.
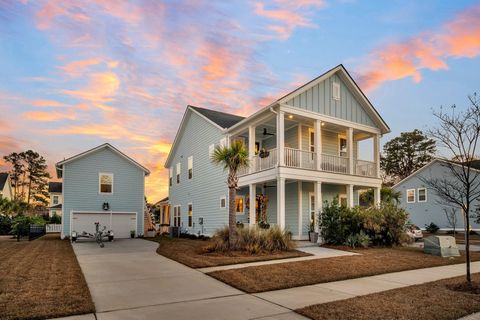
(370, 262)
(41, 279)
(190, 253)
(429, 301)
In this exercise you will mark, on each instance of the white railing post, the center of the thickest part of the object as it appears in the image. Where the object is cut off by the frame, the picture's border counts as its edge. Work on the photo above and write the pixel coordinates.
(318, 144)
(281, 138)
(350, 150)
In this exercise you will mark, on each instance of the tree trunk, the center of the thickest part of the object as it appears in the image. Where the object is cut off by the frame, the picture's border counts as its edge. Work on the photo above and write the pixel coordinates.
(29, 189)
(467, 246)
(232, 223)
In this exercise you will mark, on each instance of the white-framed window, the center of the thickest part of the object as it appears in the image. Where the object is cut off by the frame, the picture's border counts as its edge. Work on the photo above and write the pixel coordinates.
(311, 140)
(240, 204)
(190, 215)
(55, 200)
(410, 195)
(223, 202)
(422, 194)
(190, 167)
(178, 172)
(170, 176)
(105, 183)
(335, 91)
(211, 150)
(342, 146)
(176, 216)
(311, 207)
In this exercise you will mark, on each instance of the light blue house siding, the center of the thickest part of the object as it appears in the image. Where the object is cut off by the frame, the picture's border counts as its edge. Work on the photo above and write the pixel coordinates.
(319, 99)
(422, 213)
(208, 183)
(81, 186)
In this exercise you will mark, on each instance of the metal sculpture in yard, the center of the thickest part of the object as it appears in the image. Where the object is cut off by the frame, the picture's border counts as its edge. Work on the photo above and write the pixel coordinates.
(97, 236)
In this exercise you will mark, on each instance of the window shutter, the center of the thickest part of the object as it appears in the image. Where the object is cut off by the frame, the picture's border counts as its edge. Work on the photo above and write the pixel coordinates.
(336, 91)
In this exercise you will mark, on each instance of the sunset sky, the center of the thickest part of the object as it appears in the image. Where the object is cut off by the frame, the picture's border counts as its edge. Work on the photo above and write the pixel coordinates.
(76, 74)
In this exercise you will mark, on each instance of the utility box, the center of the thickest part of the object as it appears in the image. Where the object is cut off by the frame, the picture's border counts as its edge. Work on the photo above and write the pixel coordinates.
(444, 246)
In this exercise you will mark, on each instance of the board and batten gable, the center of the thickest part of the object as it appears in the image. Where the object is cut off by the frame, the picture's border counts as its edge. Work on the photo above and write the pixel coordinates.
(209, 181)
(319, 99)
(81, 186)
(432, 210)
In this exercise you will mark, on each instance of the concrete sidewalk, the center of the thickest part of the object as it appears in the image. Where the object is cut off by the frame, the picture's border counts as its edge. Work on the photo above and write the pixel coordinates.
(300, 297)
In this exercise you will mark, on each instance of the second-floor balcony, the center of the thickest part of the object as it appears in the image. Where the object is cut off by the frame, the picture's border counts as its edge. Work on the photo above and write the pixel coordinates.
(301, 159)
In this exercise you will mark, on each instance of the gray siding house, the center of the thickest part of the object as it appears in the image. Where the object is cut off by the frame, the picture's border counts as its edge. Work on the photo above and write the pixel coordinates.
(102, 185)
(424, 205)
(303, 149)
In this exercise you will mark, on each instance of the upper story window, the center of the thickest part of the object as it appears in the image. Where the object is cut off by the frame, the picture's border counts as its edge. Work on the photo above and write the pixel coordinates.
(190, 215)
(410, 195)
(170, 176)
(336, 91)
(422, 195)
(55, 200)
(190, 167)
(105, 183)
(178, 172)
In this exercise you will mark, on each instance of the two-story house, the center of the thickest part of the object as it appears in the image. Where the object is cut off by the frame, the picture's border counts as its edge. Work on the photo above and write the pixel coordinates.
(56, 198)
(102, 185)
(304, 149)
(5, 186)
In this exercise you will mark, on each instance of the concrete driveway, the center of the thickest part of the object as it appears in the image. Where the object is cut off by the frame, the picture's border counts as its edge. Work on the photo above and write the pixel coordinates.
(128, 279)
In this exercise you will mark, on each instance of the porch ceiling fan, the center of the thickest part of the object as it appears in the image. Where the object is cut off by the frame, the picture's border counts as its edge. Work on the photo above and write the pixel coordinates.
(265, 133)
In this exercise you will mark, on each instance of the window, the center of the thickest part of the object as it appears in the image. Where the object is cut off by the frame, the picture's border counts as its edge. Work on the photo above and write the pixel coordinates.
(190, 215)
(170, 179)
(211, 150)
(223, 202)
(336, 91)
(422, 195)
(342, 147)
(190, 167)
(240, 205)
(410, 195)
(311, 142)
(178, 172)
(176, 216)
(55, 199)
(312, 208)
(105, 183)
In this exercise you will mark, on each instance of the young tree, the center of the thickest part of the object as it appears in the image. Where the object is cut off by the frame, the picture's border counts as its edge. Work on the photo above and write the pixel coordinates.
(451, 215)
(459, 134)
(407, 153)
(232, 159)
(17, 172)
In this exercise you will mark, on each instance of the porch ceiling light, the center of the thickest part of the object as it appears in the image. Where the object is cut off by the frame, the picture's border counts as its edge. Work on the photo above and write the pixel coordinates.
(290, 116)
(323, 123)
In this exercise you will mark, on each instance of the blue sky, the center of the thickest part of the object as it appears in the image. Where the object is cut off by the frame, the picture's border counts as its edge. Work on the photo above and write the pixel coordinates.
(78, 73)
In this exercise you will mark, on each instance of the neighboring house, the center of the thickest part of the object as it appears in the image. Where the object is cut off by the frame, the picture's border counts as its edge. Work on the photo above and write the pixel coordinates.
(5, 186)
(164, 214)
(304, 150)
(424, 205)
(56, 198)
(102, 185)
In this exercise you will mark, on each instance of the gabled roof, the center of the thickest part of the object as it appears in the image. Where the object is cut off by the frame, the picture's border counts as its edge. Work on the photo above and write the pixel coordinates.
(3, 179)
(54, 187)
(222, 119)
(60, 164)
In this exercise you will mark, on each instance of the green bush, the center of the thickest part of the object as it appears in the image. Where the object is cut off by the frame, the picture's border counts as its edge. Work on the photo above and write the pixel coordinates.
(5, 224)
(383, 225)
(252, 240)
(55, 219)
(432, 227)
(21, 224)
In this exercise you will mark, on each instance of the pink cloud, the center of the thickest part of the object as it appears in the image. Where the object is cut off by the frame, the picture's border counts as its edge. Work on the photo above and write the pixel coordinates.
(50, 116)
(76, 68)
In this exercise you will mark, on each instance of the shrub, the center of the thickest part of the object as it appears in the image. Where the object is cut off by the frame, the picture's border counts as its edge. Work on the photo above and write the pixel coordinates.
(5, 224)
(55, 219)
(432, 227)
(358, 240)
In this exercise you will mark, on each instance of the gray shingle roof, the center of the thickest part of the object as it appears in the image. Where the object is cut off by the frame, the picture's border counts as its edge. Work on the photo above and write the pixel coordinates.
(55, 187)
(224, 120)
(3, 179)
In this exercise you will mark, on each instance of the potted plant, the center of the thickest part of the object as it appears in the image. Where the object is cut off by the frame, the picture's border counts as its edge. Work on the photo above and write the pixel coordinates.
(312, 235)
(132, 234)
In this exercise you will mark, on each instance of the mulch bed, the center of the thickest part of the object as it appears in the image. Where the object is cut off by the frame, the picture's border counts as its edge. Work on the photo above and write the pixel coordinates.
(190, 253)
(429, 301)
(41, 279)
(370, 262)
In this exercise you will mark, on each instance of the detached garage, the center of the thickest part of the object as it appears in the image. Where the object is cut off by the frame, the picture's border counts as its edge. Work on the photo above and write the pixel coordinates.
(102, 185)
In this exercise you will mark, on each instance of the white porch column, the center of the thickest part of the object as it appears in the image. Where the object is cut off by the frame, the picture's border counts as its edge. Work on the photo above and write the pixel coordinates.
(318, 204)
(251, 147)
(350, 195)
(252, 210)
(351, 169)
(377, 196)
(281, 137)
(300, 209)
(318, 143)
(376, 154)
(281, 202)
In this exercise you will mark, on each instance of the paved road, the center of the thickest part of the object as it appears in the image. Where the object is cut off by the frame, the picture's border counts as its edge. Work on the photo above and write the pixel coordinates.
(127, 280)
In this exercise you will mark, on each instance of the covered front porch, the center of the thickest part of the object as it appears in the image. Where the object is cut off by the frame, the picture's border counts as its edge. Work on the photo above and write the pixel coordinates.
(292, 203)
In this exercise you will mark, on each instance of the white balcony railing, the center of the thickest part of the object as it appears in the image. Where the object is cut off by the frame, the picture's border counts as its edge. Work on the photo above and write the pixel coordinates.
(365, 168)
(300, 159)
(332, 163)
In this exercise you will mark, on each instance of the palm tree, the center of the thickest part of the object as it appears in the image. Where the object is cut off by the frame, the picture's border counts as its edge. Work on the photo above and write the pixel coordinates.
(232, 158)
(387, 195)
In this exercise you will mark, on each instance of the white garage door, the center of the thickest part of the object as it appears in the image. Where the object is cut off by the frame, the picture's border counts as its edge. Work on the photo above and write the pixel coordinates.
(120, 223)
